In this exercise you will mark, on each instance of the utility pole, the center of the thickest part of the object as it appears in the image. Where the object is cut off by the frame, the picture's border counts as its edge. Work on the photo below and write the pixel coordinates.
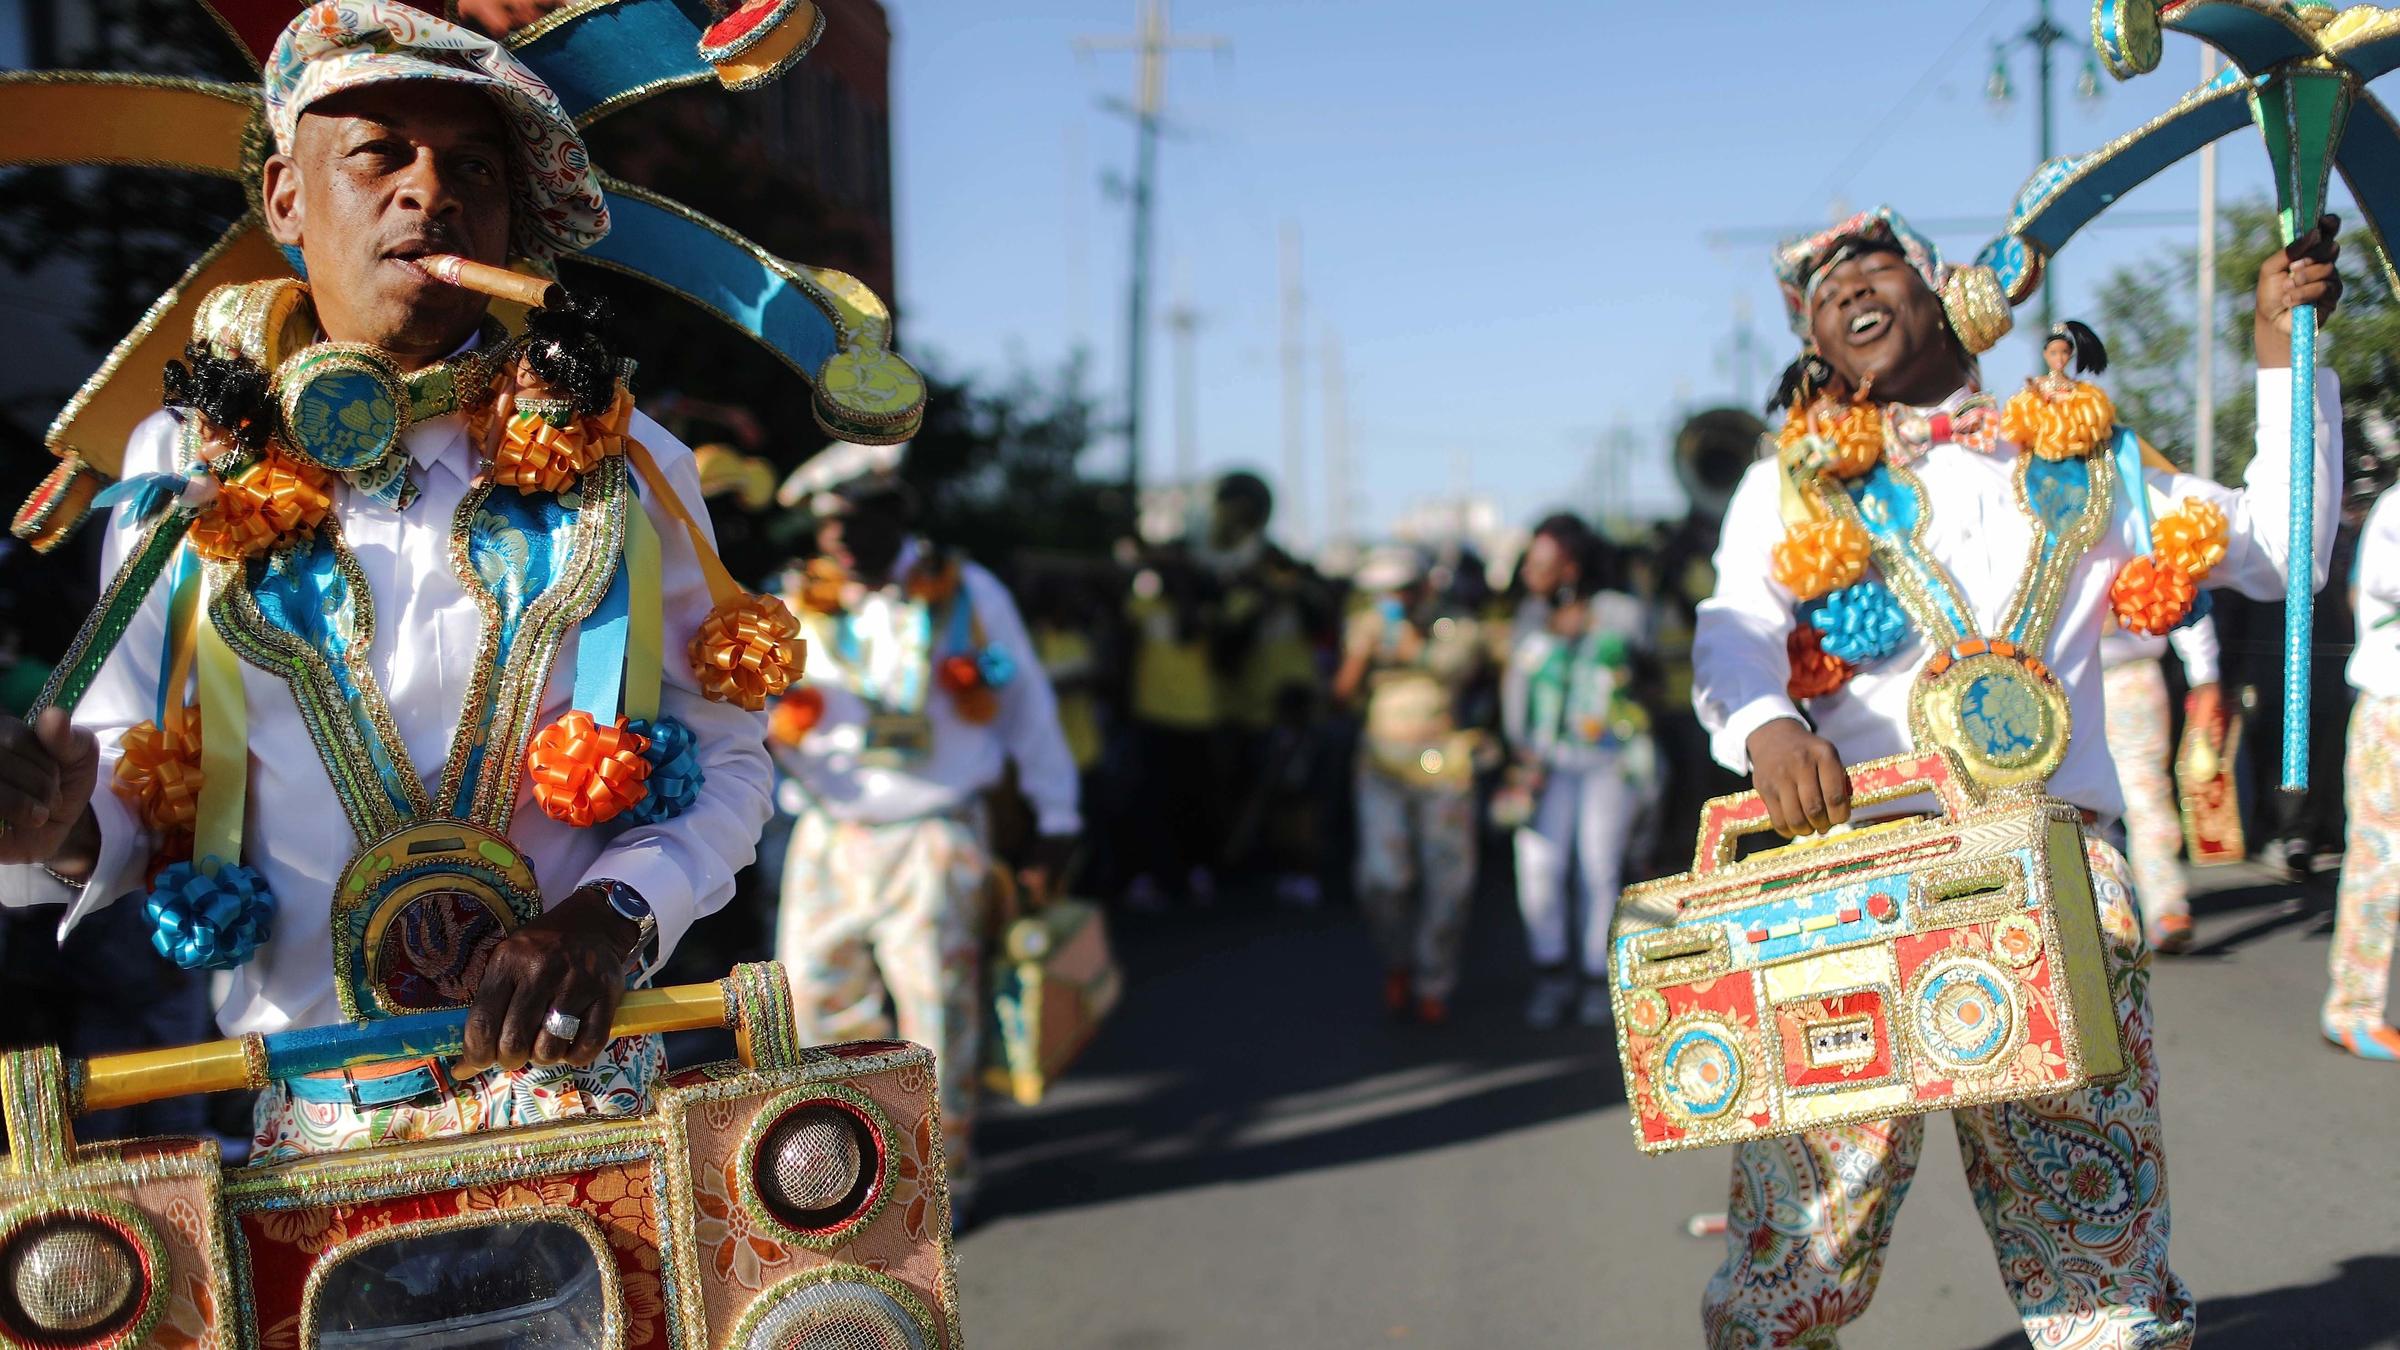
(1183, 324)
(1294, 506)
(2041, 37)
(1154, 41)
(1337, 449)
(2204, 328)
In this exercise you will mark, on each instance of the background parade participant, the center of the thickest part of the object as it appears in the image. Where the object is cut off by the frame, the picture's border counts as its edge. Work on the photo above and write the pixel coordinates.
(2140, 745)
(2369, 908)
(922, 688)
(398, 135)
(1896, 332)
(1416, 777)
(1583, 754)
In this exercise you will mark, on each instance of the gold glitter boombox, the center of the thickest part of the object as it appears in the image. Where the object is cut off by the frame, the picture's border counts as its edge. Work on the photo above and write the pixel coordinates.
(1910, 966)
(795, 1198)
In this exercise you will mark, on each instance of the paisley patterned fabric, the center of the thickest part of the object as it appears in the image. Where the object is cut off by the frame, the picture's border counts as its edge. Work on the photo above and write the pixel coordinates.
(617, 1084)
(340, 45)
(2137, 741)
(871, 910)
(2369, 907)
(2072, 1190)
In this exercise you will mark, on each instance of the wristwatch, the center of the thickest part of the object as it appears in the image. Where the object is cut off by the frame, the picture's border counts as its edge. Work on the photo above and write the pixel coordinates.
(627, 904)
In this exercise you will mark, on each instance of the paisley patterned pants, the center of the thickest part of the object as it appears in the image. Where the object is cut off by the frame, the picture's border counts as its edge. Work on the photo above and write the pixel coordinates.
(2072, 1189)
(1416, 875)
(2369, 907)
(617, 1084)
(2138, 741)
(889, 912)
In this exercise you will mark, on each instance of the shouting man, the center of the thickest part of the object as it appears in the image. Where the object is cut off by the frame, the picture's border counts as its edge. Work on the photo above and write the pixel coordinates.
(1891, 408)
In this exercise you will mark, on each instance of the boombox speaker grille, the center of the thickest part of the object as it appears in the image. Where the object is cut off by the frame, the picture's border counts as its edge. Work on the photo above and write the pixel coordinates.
(838, 1315)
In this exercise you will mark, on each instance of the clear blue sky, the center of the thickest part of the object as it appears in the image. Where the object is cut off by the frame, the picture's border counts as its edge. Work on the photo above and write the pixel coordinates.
(1503, 206)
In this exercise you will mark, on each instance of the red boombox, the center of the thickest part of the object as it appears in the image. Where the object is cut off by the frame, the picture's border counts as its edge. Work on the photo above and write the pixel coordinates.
(1915, 965)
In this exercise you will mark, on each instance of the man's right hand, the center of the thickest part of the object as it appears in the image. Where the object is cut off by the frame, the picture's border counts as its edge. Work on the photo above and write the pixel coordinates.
(1800, 776)
(47, 772)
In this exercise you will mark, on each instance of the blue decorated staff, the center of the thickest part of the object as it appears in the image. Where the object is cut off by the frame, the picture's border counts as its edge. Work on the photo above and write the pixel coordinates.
(2299, 73)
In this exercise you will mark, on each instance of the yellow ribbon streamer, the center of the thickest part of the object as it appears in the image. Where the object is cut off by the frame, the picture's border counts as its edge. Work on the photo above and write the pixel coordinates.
(645, 644)
(224, 752)
(722, 588)
(183, 621)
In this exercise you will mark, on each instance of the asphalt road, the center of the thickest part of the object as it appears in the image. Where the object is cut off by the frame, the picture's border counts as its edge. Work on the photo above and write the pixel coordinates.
(1251, 1156)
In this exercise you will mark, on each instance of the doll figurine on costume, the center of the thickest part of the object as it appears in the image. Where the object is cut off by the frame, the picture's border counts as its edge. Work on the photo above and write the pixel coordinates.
(2056, 415)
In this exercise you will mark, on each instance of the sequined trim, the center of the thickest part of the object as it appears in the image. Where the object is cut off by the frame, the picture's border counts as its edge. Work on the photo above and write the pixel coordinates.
(113, 614)
(505, 697)
(34, 1100)
(760, 995)
(332, 727)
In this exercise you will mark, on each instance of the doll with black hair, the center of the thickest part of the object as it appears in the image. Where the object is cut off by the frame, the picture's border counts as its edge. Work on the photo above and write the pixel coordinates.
(2056, 415)
(2071, 343)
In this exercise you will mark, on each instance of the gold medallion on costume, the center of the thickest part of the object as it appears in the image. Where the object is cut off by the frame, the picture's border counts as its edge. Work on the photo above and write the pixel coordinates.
(417, 913)
(2004, 716)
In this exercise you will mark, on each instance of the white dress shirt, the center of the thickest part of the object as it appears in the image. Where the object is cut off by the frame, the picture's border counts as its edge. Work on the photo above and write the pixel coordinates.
(965, 758)
(1978, 532)
(2375, 664)
(427, 631)
(2195, 645)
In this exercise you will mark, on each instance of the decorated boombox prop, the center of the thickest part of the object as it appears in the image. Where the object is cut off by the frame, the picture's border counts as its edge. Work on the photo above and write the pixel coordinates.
(793, 1199)
(1910, 966)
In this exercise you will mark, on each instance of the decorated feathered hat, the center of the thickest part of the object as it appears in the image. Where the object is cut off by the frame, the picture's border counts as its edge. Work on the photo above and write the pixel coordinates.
(553, 80)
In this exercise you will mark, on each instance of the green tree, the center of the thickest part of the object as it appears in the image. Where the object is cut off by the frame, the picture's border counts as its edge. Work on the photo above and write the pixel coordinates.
(2146, 317)
(999, 465)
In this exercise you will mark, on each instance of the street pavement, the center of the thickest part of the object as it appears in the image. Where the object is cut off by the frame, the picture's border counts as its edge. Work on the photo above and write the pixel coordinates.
(1251, 1156)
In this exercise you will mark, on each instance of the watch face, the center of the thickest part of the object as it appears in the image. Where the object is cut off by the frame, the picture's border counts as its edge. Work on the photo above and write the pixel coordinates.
(627, 901)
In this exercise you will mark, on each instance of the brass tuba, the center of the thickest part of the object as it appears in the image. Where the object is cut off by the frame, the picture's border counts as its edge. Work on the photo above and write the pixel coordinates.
(1712, 451)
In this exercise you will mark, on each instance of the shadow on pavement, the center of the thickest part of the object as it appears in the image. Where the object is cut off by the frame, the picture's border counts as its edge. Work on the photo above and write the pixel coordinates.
(2357, 1308)
(2274, 905)
(1251, 1044)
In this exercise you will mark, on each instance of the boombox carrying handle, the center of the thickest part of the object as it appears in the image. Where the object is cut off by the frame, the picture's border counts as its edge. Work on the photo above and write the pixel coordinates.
(1726, 821)
(755, 1001)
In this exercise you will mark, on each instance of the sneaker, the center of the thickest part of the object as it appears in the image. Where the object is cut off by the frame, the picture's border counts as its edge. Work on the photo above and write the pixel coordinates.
(2171, 934)
(2368, 1040)
(1546, 1008)
(1593, 1008)
(2286, 858)
(1395, 993)
(1433, 1011)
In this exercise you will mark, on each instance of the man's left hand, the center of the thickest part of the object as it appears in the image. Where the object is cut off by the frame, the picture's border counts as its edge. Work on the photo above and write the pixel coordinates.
(571, 959)
(1039, 879)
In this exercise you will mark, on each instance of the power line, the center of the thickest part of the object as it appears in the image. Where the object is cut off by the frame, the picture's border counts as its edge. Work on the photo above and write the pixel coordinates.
(1153, 42)
(1883, 127)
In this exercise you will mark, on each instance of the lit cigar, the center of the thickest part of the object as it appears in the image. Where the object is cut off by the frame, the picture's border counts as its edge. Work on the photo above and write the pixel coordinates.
(498, 282)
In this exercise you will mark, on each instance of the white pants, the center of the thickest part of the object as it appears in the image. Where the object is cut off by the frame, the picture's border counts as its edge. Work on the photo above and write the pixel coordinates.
(1586, 814)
